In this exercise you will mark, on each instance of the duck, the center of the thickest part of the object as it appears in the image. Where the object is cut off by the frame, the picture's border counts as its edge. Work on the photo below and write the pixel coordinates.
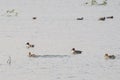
(102, 19)
(110, 17)
(32, 55)
(34, 18)
(80, 18)
(28, 45)
(109, 56)
(74, 51)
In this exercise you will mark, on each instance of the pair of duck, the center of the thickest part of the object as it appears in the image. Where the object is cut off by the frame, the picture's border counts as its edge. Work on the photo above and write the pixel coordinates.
(107, 56)
(103, 18)
(73, 52)
(28, 45)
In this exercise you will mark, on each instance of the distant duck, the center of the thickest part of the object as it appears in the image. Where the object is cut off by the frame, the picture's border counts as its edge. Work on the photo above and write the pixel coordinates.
(34, 18)
(28, 45)
(109, 56)
(102, 19)
(76, 51)
(109, 17)
(80, 18)
(32, 55)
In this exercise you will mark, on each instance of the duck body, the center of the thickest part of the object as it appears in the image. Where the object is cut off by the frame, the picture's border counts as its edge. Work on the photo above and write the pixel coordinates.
(112, 57)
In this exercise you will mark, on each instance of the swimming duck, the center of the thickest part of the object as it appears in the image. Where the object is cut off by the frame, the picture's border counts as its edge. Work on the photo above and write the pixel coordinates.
(109, 56)
(31, 55)
(76, 51)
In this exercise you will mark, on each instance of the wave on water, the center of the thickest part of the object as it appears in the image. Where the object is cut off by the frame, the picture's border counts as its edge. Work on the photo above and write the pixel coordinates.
(51, 56)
